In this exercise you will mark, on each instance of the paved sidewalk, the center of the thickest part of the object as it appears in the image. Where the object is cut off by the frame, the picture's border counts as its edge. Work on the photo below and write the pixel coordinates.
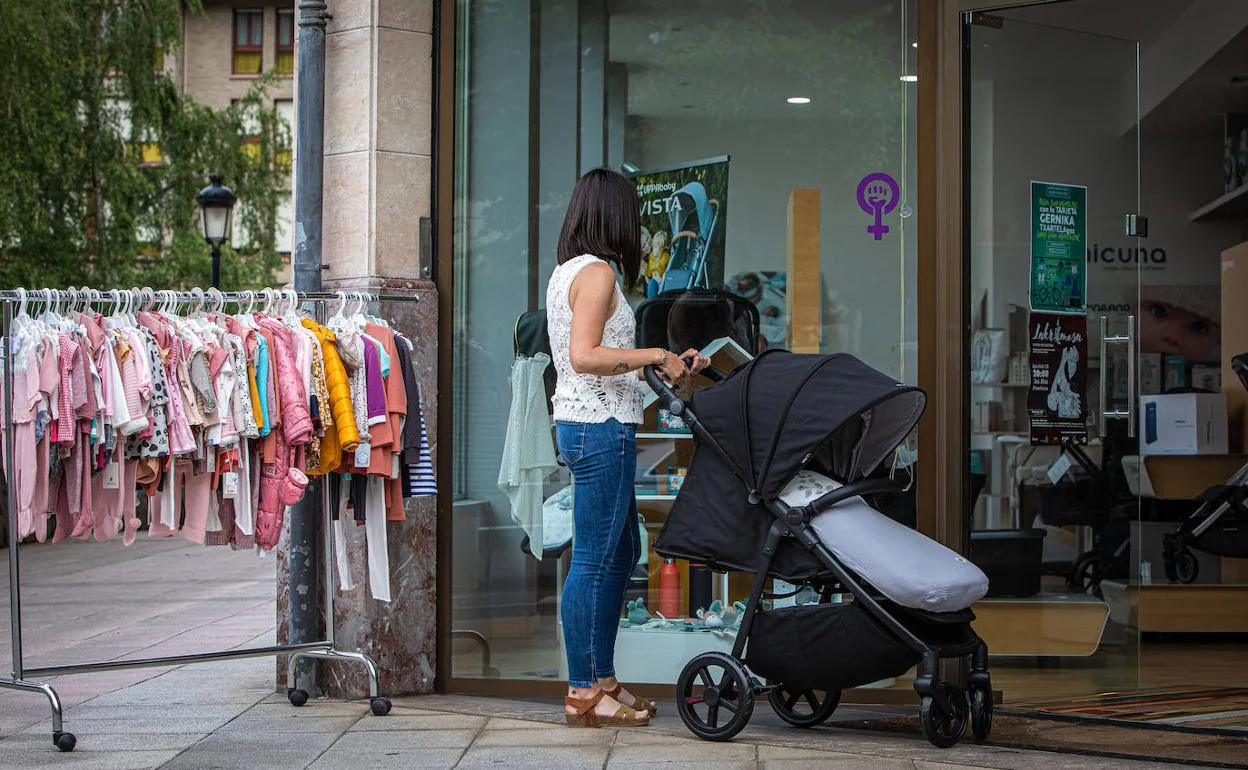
(225, 716)
(99, 601)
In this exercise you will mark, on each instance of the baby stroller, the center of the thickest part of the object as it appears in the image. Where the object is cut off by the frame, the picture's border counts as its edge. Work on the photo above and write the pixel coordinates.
(687, 267)
(784, 445)
(1219, 525)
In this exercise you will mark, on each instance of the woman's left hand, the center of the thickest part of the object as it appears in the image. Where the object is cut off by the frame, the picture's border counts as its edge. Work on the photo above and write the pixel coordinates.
(699, 361)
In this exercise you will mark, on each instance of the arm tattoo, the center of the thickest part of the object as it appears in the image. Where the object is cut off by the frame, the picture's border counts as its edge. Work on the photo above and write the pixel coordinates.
(622, 367)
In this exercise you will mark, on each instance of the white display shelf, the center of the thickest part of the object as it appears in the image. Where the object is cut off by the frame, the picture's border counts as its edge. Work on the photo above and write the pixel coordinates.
(643, 498)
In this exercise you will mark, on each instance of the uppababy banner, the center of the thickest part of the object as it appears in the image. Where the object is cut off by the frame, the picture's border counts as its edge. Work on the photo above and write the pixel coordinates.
(683, 210)
(1056, 404)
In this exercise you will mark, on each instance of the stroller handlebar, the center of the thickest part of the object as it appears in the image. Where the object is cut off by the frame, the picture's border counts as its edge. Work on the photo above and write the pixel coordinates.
(667, 397)
(1240, 365)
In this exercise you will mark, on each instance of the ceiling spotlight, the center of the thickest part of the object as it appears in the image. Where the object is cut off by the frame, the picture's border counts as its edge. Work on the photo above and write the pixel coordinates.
(798, 100)
(915, 44)
(909, 78)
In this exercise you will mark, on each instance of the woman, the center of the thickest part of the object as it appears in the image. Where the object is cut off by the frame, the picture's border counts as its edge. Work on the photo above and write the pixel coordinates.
(598, 405)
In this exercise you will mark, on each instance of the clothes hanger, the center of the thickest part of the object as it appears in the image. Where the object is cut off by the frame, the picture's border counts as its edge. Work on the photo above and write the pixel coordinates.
(47, 306)
(54, 309)
(342, 303)
(21, 302)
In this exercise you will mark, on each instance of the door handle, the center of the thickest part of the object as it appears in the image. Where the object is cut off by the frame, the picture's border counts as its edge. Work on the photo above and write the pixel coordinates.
(1102, 390)
(1127, 339)
(1133, 399)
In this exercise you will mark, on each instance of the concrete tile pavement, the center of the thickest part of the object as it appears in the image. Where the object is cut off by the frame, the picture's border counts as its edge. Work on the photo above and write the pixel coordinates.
(238, 723)
(90, 601)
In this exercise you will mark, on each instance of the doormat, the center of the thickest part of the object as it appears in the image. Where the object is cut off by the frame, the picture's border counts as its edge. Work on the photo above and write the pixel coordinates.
(1225, 709)
(1102, 739)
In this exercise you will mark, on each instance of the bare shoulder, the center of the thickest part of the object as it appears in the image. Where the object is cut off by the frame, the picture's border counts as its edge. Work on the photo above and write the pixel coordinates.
(597, 276)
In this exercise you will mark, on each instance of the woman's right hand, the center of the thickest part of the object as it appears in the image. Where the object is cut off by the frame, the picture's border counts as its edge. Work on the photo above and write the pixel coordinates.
(672, 367)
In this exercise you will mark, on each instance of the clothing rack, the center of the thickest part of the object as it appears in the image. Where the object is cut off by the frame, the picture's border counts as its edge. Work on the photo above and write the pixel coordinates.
(24, 678)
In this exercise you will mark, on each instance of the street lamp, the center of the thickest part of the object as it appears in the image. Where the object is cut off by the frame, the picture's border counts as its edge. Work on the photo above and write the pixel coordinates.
(216, 209)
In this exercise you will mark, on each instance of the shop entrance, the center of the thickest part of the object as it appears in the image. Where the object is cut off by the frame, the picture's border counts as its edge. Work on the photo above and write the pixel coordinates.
(1097, 295)
(1053, 144)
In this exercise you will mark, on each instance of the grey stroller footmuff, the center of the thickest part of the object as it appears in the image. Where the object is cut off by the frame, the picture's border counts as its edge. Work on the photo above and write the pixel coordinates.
(908, 568)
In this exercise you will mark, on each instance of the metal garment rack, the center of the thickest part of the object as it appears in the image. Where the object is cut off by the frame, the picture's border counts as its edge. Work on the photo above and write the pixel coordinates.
(24, 678)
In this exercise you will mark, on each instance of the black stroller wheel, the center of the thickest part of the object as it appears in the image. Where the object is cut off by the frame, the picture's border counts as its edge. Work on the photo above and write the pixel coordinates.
(1186, 568)
(715, 696)
(1085, 575)
(803, 708)
(944, 730)
(981, 712)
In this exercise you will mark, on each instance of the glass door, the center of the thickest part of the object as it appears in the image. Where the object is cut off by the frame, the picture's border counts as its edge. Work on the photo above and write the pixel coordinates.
(1053, 169)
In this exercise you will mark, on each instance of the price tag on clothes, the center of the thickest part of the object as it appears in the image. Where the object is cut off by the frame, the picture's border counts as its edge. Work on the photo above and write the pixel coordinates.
(363, 454)
(112, 476)
(212, 459)
(229, 484)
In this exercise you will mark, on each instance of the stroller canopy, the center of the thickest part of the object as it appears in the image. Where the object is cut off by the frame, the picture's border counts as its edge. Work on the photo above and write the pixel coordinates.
(772, 417)
(783, 410)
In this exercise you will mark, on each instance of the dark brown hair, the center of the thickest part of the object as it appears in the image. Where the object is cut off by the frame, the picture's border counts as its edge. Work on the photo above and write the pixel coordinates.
(604, 219)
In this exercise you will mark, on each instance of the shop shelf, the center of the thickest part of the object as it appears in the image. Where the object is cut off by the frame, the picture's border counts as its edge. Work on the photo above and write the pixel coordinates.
(1232, 206)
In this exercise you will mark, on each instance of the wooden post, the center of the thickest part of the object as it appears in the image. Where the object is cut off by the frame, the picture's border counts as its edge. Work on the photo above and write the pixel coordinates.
(803, 292)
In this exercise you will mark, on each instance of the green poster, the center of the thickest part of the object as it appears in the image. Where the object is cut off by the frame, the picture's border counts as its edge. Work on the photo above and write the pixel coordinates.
(1059, 240)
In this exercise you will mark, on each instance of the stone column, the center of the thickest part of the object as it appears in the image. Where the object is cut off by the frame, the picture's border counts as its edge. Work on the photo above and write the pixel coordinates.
(378, 192)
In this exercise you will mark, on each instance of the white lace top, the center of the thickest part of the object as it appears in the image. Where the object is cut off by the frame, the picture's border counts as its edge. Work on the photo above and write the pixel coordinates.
(588, 397)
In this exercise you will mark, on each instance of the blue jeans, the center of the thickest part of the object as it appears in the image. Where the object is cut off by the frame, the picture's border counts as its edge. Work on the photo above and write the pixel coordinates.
(606, 544)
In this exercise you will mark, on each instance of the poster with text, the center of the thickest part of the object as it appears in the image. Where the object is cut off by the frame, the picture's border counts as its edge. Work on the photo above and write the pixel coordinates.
(683, 212)
(1057, 404)
(1059, 238)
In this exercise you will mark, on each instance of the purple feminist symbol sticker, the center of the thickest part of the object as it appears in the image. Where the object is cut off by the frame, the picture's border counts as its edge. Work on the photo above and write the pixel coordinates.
(878, 195)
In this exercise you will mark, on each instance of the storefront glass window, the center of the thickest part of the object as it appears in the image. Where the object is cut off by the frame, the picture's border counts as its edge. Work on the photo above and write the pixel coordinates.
(774, 145)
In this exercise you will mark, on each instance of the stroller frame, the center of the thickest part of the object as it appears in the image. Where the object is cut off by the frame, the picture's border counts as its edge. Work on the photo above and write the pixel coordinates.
(944, 707)
(1208, 520)
(1229, 499)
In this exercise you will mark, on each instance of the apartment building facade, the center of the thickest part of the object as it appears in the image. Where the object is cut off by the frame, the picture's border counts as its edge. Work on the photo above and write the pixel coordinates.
(226, 48)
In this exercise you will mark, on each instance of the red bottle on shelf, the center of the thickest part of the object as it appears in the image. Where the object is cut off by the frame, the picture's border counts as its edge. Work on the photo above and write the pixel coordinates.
(669, 590)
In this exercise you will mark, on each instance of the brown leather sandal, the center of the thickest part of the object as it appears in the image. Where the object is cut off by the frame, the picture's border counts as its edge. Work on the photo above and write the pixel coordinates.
(585, 715)
(638, 702)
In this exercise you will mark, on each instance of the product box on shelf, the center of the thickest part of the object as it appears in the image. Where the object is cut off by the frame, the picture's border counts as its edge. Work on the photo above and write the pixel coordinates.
(1183, 424)
(1150, 374)
(1174, 372)
(1207, 377)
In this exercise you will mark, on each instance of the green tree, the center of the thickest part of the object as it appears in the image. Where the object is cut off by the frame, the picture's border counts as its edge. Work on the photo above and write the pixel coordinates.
(102, 157)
